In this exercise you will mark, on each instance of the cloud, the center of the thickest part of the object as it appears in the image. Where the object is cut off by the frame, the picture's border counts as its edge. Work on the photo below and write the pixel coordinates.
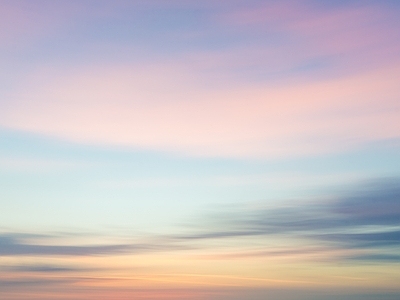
(361, 224)
(390, 258)
(47, 245)
(10, 245)
(25, 244)
(16, 164)
(23, 23)
(348, 33)
(190, 102)
(31, 282)
(43, 268)
(138, 107)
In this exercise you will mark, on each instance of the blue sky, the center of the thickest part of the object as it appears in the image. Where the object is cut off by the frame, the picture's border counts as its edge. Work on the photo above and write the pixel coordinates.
(72, 181)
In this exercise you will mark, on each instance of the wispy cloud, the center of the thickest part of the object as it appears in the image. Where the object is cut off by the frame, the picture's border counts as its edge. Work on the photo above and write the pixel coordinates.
(17, 164)
(361, 224)
(117, 106)
(357, 228)
(61, 244)
(43, 268)
(307, 82)
(11, 245)
(322, 31)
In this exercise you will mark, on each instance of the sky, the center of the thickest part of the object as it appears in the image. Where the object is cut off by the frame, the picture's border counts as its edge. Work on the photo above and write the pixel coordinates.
(205, 150)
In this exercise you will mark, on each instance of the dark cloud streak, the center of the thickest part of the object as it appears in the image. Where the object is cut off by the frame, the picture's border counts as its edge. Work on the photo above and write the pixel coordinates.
(12, 246)
(366, 218)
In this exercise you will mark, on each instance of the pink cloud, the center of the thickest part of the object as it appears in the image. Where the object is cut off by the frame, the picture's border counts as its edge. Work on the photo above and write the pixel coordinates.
(359, 36)
(181, 105)
(163, 108)
(24, 22)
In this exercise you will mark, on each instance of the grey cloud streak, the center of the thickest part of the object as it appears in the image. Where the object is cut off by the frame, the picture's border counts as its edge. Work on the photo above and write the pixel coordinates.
(44, 268)
(10, 245)
(23, 244)
(366, 218)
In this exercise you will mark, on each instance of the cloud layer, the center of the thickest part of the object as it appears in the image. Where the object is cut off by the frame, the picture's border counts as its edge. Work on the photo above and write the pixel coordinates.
(356, 228)
(365, 222)
(327, 81)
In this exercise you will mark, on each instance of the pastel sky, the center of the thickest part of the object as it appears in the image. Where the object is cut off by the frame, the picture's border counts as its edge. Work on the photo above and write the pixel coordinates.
(179, 149)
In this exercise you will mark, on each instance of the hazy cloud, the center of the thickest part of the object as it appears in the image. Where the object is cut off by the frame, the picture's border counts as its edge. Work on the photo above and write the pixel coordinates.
(366, 218)
(43, 268)
(364, 222)
(12, 246)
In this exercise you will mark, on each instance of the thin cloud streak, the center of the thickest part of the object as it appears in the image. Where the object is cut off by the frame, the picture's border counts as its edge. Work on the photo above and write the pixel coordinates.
(363, 223)
(17, 244)
(356, 228)
(43, 268)
(12, 247)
